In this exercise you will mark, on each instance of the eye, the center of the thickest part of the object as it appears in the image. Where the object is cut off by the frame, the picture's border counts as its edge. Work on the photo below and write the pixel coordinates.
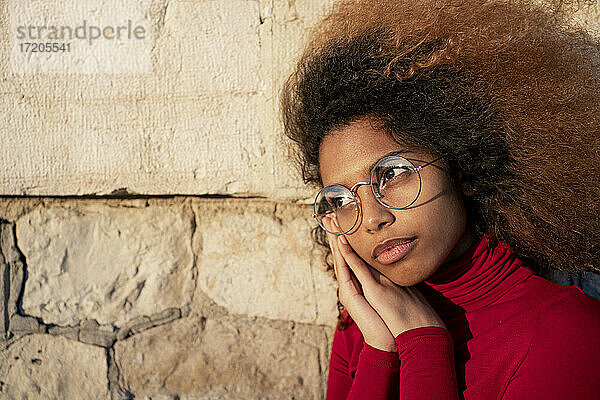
(394, 174)
(342, 201)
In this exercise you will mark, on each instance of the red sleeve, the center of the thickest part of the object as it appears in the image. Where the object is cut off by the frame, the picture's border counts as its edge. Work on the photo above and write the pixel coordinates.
(427, 368)
(562, 359)
(376, 374)
(423, 368)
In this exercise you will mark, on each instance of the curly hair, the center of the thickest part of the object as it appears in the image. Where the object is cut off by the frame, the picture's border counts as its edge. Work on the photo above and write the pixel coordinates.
(507, 90)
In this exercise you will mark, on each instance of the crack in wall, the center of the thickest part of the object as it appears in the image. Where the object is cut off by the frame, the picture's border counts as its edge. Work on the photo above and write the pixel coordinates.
(5, 292)
(113, 372)
(195, 239)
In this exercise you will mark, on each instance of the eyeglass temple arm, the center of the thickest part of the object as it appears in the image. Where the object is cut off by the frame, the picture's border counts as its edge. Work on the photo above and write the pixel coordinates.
(318, 215)
(430, 162)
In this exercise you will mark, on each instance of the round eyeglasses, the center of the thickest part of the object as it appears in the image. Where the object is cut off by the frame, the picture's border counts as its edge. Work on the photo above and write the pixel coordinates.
(395, 182)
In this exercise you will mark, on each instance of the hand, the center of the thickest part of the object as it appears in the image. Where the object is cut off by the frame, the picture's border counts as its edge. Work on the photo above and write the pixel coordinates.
(375, 332)
(400, 308)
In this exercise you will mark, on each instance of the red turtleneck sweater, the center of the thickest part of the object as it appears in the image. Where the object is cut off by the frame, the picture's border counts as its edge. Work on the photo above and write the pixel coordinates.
(511, 335)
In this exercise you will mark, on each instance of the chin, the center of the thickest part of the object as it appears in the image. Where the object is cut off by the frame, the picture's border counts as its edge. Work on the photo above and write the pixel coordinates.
(409, 271)
(405, 279)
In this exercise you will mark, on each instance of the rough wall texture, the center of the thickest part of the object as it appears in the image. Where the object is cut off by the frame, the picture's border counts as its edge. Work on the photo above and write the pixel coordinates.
(171, 298)
(202, 121)
(163, 295)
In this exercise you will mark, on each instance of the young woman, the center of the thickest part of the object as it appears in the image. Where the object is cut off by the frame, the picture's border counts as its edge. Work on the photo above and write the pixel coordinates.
(456, 145)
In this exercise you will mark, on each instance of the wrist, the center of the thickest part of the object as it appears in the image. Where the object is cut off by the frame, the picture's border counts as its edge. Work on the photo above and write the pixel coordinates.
(389, 346)
(401, 328)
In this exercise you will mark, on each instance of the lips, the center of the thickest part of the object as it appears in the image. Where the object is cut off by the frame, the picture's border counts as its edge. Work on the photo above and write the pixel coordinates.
(392, 249)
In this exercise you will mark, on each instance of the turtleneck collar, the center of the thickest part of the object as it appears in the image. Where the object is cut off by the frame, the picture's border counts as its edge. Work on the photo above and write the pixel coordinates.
(477, 278)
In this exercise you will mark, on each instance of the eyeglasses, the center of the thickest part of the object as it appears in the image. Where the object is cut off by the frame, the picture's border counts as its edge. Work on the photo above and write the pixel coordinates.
(395, 182)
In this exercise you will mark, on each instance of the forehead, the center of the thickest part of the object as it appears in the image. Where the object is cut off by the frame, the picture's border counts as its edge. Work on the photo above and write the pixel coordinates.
(346, 154)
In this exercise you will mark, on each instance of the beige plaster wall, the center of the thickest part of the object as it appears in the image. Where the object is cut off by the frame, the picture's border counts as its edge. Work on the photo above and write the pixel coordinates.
(201, 119)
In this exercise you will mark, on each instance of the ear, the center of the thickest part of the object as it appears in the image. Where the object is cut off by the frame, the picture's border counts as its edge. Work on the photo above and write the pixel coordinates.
(467, 187)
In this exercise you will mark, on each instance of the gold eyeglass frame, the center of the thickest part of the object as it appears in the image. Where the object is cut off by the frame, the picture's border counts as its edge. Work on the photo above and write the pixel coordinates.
(353, 191)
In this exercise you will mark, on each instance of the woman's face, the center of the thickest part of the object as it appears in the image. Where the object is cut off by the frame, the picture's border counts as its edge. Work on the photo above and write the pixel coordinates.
(436, 220)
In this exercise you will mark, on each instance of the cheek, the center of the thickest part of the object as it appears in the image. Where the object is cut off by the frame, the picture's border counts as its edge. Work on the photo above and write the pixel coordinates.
(442, 204)
(361, 246)
(446, 220)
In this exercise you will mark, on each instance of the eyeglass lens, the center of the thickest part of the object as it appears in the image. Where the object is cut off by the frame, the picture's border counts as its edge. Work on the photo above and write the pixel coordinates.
(395, 181)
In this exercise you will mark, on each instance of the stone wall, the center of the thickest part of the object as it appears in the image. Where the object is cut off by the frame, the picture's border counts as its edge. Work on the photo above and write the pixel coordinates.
(162, 298)
(154, 239)
(119, 290)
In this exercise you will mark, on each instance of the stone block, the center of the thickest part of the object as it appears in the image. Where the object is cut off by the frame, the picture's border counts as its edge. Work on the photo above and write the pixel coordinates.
(88, 260)
(218, 45)
(227, 358)
(259, 261)
(53, 367)
(12, 208)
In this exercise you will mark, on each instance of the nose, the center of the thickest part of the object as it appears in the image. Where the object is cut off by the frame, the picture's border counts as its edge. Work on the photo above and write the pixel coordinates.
(374, 215)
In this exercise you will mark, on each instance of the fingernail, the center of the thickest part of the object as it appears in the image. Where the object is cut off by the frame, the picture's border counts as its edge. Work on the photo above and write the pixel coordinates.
(343, 239)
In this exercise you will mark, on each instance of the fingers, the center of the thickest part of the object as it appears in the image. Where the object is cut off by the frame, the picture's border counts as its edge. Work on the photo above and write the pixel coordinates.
(346, 279)
(358, 266)
(347, 257)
